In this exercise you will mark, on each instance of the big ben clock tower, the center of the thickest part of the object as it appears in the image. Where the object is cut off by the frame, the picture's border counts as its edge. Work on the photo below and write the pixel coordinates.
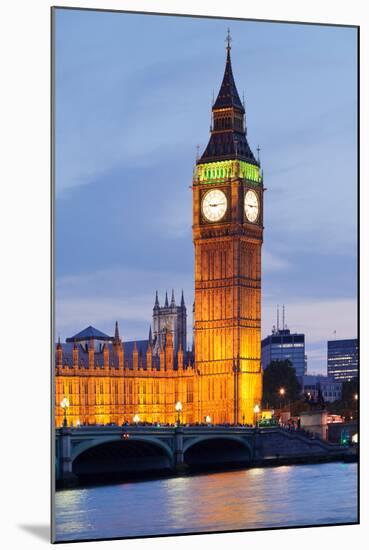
(228, 234)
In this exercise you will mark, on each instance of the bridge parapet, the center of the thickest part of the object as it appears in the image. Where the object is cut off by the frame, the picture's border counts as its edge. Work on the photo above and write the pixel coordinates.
(260, 445)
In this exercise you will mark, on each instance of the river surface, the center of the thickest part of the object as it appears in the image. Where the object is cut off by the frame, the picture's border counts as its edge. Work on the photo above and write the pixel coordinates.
(247, 499)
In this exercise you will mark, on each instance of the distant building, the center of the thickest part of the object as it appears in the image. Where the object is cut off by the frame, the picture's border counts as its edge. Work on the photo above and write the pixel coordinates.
(342, 359)
(281, 345)
(169, 318)
(330, 388)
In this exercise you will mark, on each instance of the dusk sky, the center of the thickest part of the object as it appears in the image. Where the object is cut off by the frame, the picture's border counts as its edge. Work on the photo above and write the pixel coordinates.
(133, 98)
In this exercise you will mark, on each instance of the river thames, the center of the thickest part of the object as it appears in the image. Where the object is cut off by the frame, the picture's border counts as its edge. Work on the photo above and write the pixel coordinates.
(244, 499)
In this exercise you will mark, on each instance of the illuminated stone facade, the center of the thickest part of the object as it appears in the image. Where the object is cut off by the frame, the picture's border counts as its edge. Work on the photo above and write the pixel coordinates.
(106, 380)
(227, 319)
(107, 388)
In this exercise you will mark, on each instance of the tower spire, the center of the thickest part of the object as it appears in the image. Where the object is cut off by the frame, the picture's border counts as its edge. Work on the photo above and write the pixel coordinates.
(229, 41)
(116, 332)
(166, 304)
(172, 301)
(156, 305)
(197, 152)
(228, 129)
(182, 299)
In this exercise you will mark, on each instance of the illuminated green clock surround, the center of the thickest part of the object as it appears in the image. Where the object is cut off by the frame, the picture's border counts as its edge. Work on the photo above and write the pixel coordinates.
(227, 169)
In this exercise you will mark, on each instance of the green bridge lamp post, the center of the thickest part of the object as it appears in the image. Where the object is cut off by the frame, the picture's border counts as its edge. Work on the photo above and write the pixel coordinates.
(208, 419)
(256, 414)
(136, 419)
(65, 406)
(179, 408)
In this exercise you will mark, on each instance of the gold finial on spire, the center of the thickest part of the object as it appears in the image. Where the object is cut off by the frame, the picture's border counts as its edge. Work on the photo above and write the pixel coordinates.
(228, 40)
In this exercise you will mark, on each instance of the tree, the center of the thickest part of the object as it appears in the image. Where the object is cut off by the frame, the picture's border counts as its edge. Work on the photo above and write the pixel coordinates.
(280, 375)
(349, 391)
(347, 406)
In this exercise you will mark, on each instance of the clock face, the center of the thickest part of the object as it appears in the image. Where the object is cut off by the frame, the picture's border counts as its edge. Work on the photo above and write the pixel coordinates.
(251, 206)
(214, 205)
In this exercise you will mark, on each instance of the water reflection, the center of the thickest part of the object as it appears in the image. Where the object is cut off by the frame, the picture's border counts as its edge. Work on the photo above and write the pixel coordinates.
(248, 499)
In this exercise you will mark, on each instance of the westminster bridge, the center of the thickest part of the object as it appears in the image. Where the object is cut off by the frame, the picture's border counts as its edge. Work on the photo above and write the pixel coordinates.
(86, 452)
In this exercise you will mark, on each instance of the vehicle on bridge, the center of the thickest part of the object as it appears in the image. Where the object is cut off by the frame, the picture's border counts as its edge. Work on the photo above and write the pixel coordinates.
(268, 423)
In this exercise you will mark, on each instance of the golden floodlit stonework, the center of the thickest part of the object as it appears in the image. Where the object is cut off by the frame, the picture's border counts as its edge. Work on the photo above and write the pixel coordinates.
(107, 381)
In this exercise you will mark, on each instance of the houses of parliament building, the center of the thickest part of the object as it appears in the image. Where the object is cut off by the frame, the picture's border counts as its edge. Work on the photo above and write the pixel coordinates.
(107, 380)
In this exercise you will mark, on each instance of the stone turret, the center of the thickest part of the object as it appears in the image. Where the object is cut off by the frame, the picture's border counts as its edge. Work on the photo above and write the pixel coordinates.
(169, 318)
(169, 351)
(106, 356)
(180, 358)
(59, 354)
(149, 363)
(162, 358)
(135, 356)
(75, 355)
(91, 354)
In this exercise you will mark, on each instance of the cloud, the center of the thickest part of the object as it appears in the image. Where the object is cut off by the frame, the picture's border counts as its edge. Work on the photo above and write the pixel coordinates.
(272, 262)
(316, 318)
(127, 295)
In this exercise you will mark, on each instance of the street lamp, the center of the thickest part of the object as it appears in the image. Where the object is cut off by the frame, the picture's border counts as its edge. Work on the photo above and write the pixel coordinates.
(356, 397)
(208, 419)
(282, 393)
(256, 412)
(65, 405)
(136, 419)
(179, 408)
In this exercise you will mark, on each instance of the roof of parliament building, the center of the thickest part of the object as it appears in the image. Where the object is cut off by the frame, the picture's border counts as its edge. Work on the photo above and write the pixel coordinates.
(90, 336)
(83, 358)
(89, 333)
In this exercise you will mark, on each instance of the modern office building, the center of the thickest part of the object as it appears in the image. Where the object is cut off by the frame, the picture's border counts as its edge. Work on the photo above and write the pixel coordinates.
(342, 359)
(281, 345)
(330, 388)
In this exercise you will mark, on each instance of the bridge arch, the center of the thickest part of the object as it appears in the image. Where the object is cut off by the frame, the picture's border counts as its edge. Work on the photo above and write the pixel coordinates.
(217, 450)
(86, 445)
(114, 458)
(194, 441)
